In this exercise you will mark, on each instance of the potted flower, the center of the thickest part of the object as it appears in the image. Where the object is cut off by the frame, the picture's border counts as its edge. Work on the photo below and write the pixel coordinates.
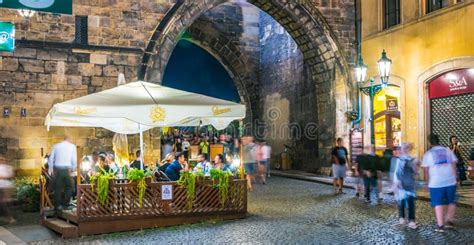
(28, 194)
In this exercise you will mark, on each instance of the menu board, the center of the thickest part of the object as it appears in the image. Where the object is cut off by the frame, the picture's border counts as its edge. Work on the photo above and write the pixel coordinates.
(356, 144)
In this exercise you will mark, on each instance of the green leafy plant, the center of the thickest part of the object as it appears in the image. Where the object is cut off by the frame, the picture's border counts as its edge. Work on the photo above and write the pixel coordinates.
(223, 183)
(28, 193)
(199, 175)
(188, 180)
(102, 179)
(138, 175)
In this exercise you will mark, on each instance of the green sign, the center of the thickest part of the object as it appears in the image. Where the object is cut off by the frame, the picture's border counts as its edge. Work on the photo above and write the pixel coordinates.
(7, 36)
(52, 6)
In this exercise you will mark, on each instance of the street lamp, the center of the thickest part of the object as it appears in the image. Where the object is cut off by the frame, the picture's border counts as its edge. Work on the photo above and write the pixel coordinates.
(384, 65)
(361, 70)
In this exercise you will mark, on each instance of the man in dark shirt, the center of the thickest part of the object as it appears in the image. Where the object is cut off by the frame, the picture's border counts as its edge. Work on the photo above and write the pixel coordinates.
(367, 168)
(136, 163)
(173, 171)
(339, 168)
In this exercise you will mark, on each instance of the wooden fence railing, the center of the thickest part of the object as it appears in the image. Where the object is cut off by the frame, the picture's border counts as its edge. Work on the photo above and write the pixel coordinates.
(123, 201)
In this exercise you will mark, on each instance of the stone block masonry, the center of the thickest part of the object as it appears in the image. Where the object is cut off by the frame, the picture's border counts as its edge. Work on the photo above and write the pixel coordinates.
(47, 68)
(35, 79)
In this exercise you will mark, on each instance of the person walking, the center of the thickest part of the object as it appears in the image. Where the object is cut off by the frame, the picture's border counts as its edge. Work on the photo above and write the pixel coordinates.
(6, 189)
(383, 167)
(267, 153)
(61, 163)
(339, 161)
(366, 167)
(261, 162)
(405, 185)
(441, 173)
(249, 160)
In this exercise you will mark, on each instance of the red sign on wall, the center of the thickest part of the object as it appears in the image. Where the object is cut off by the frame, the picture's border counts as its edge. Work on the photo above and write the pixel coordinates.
(452, 83)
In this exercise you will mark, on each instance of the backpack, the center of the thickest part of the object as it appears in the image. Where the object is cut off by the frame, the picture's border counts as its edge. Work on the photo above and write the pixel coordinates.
(406, 175)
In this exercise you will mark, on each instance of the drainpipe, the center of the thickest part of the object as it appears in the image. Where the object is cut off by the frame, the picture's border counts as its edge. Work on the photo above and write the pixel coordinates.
(358, 25)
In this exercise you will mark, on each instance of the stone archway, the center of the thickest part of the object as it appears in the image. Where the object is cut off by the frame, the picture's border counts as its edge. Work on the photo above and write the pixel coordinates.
(306, 25)
(231, 66)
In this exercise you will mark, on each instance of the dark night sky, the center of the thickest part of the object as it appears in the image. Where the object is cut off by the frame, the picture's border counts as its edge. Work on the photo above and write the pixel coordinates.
(193, 69)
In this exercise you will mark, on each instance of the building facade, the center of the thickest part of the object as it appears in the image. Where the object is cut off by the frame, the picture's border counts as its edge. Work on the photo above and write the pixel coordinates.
(60, 57)
(431, 83)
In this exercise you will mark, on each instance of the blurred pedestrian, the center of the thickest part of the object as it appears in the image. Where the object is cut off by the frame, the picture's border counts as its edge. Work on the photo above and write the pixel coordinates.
(455, 147)
(261, 162)
(225, 144)
(405, 185)
(62, 162)
(359, 182)
(339, 165)
(229, 164)
(441, 173)
(236, 148)
(249, 160)
(383, 167)
(267, 153)
(6, 190)
(366, 165)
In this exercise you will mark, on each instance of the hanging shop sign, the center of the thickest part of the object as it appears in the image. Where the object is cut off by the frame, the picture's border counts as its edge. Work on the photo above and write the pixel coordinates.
(52, 6)
(392, 104)
(7, 36)
(452, 83)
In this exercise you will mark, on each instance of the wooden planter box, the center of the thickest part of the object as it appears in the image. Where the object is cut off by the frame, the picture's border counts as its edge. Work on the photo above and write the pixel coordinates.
(123, 211)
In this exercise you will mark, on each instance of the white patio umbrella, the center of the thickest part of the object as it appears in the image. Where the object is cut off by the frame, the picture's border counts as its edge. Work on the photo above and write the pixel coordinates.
(138, 106)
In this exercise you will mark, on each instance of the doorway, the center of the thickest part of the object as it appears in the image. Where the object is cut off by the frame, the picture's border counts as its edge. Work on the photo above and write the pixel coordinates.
(387, 122)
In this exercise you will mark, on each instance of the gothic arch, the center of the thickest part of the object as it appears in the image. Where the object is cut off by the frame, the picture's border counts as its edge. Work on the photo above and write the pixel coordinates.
(301, 19)
(231, 66)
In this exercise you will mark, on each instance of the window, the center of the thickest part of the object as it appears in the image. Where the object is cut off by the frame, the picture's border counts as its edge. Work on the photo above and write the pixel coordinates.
(391, 10)
(81, 30)
(433, 5)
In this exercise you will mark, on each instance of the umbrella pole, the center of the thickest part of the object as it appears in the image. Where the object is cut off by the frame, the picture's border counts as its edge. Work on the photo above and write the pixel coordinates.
(241, 149)
(142, 153)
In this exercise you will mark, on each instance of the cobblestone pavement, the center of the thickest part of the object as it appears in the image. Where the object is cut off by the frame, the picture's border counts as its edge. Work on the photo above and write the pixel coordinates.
(287, 211)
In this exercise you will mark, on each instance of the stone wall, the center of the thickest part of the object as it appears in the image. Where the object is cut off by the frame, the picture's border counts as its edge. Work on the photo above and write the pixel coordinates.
(35, 79)
(286, 99)
(46, 68)
(110, 22)
(269, 69)
(230, 33)
(317, 38)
